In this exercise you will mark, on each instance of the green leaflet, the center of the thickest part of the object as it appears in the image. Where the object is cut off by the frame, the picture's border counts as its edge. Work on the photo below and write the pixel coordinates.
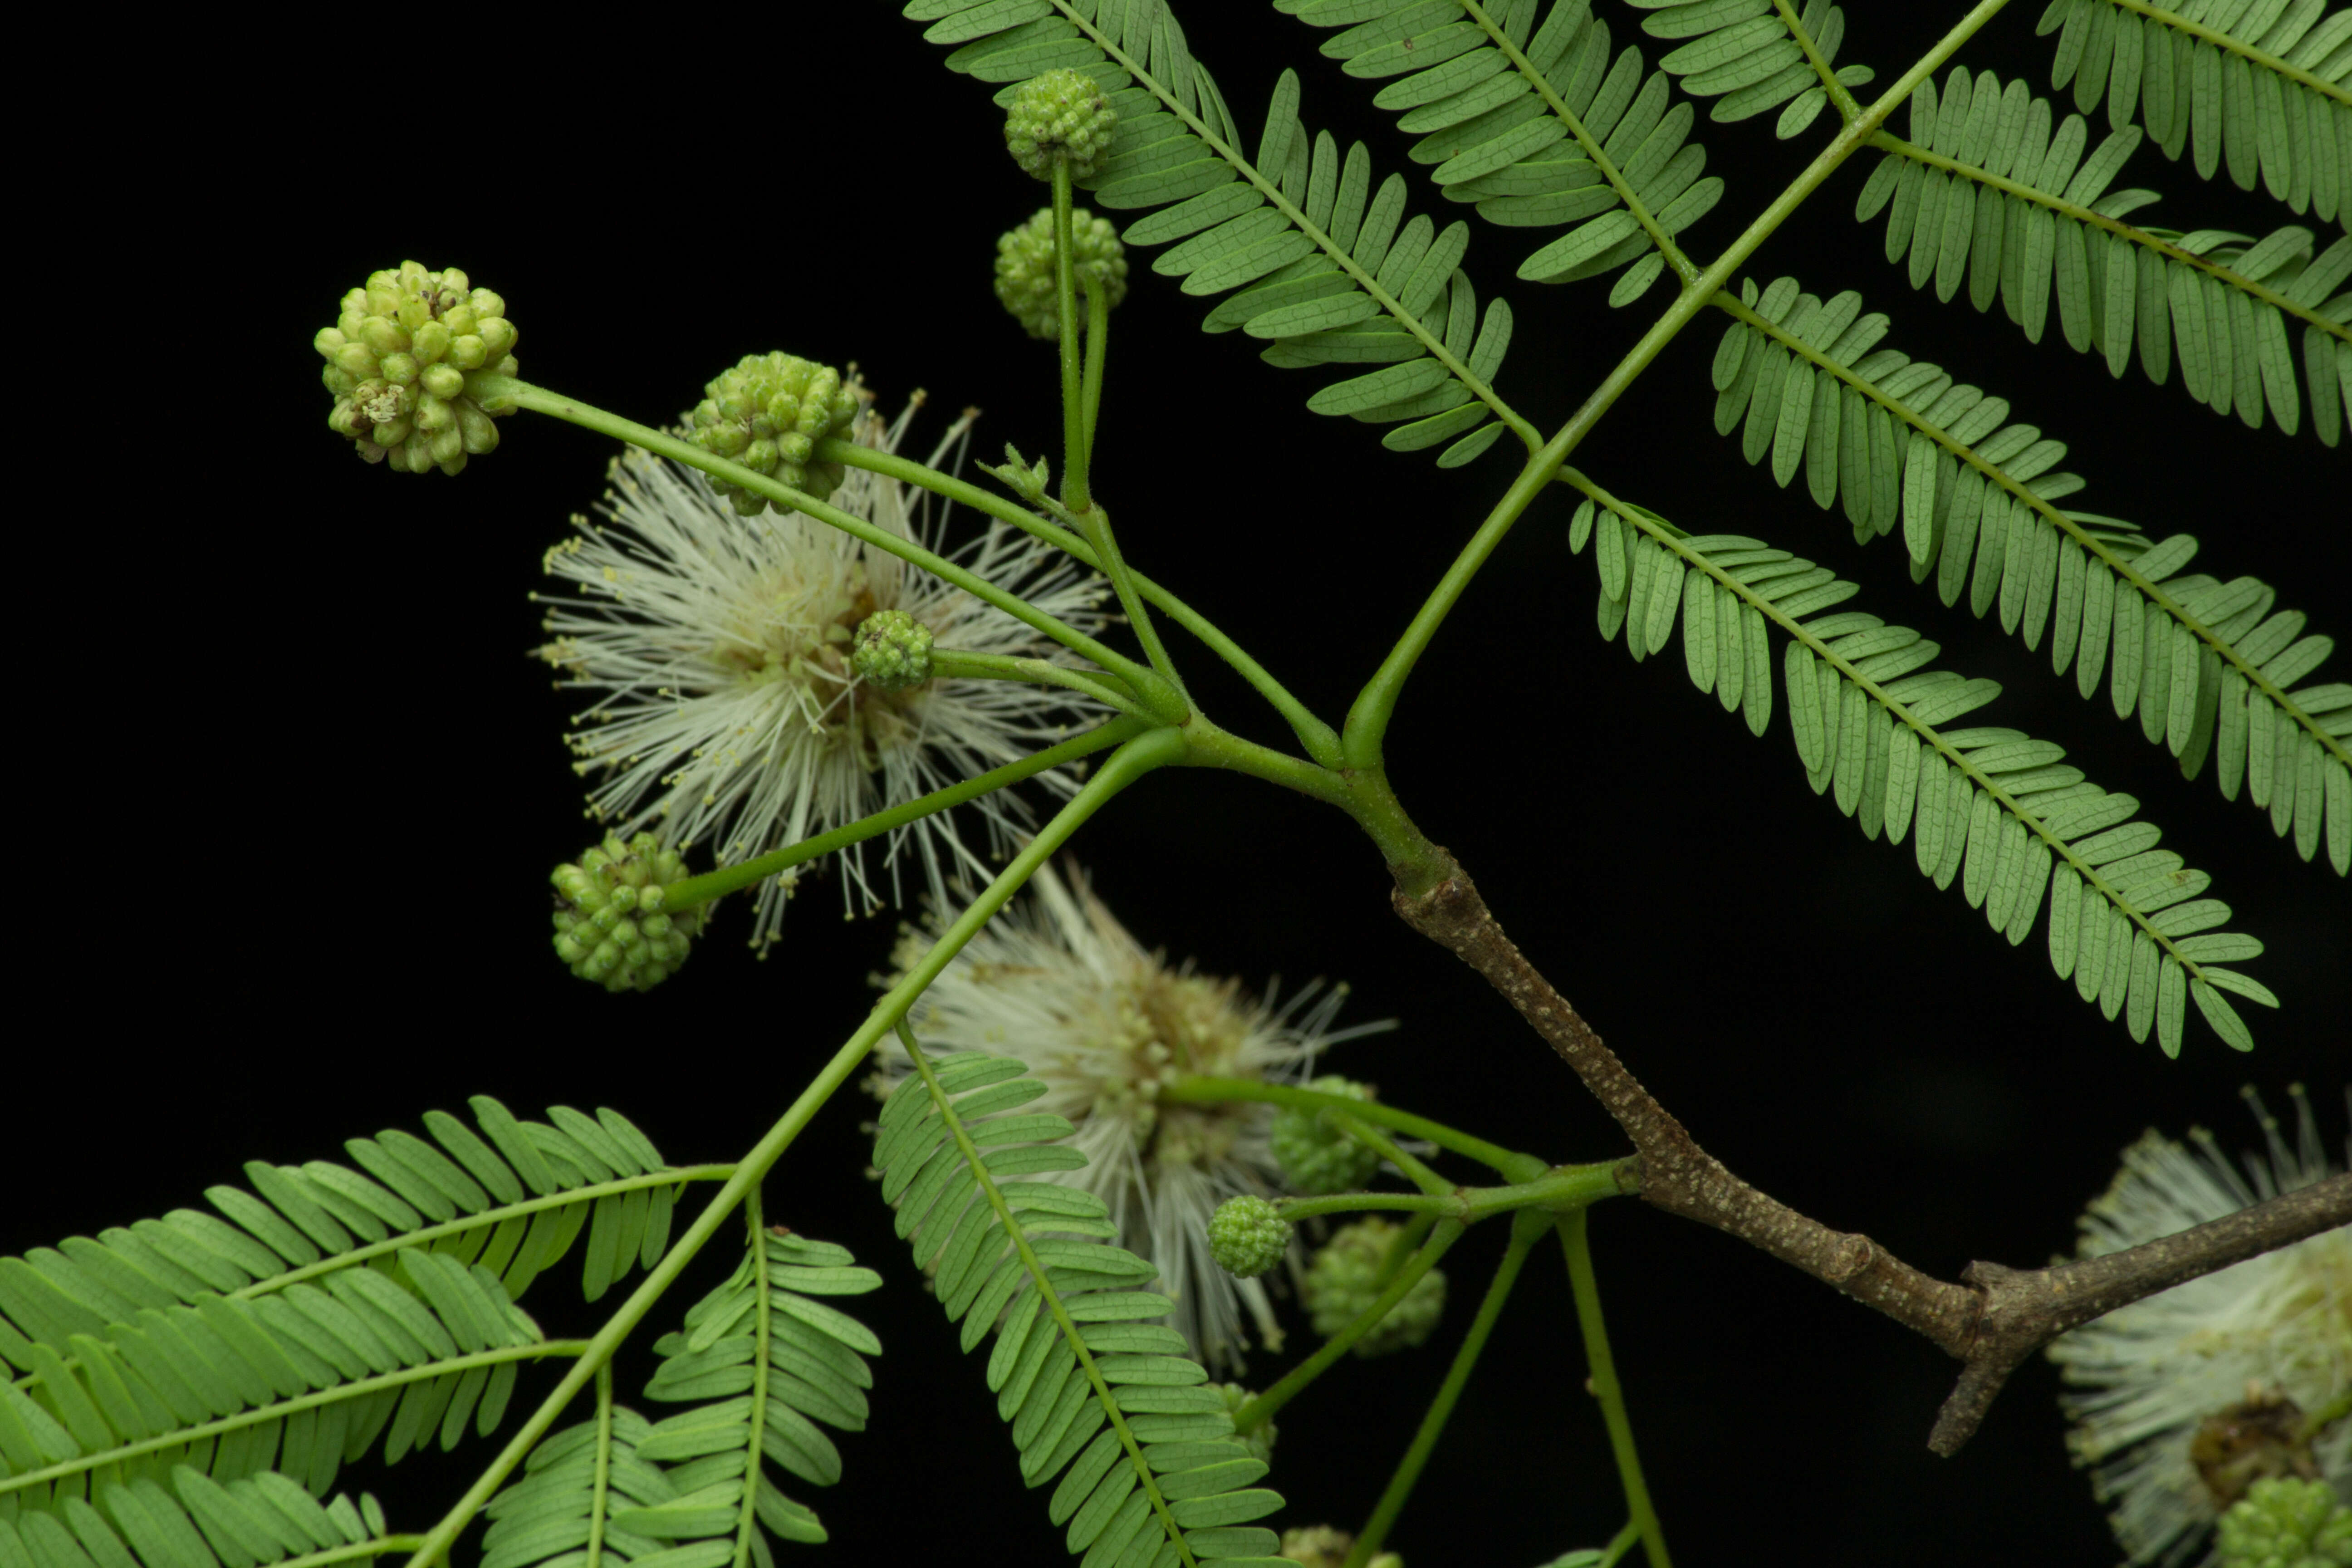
(1498, 142)
(2291, 128)
(2229, 681)
(1990, 808)
(759, 1342)
(1327, 266)
(149, 1332)
(1093, 1390)
(185, 1518)
(2223, 301)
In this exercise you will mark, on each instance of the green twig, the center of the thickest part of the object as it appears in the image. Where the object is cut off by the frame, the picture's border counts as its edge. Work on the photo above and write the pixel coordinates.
(1200, 1091)
(693, 890)
(951, 664)
(1524, 1230)
(1259, 1411)
(1605, 1388)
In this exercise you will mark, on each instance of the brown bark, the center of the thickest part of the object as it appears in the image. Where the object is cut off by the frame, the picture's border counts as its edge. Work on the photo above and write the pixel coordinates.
(1992, 1322)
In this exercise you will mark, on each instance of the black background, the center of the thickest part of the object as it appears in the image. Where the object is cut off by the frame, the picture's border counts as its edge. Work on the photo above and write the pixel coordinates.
(297, 737)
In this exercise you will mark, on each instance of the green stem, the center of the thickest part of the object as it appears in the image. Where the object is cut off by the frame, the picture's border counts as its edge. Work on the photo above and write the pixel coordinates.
(1525, 1231)
(1122, 768)
(1367, 717)
(1605, 1388)
(693, 890)
(1320, 741)
(1627, 1536)
(1570, 1186)
(1076, 448)
(1259, 1411)
(508, 391)
(1512, 1165)
(600, 1487)
(1097, 349)
(1418, 1174)
(949, 664)
(1840, 98)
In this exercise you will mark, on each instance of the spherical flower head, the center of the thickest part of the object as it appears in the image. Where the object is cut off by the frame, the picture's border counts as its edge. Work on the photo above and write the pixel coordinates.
(1247, 1236)
(1348, 1276)
(893, 651)
(1260, 1438)
(1060, 114)
(723, 703)
(1107, 1026)
(396, 362)
(1316, 1157)
(610, 925)
(2189, 1396)
(2288, 1524)
(768, 413)
(1024, 269)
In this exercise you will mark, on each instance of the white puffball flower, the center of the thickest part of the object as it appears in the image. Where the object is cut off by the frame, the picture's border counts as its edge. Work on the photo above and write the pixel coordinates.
(724, 710)
(2273, 1327)
(1056, 982)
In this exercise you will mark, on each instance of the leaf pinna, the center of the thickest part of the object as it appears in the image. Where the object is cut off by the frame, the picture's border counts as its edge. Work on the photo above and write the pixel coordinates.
(1096, 1391)
(1989, 806)
(188, 1519)
(2213, 669)
(676, 1489)
(337, 1309)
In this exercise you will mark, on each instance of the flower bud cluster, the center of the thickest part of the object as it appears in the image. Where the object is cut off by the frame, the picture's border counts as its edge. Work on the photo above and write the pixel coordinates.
(1247, 1237)
(610, 926)
(1349, 1275)
(2283, 1524)
(1024, 269)
(397, 358)
(768, 413)
(1056, 115)
(1316, 1157)
(893, 651)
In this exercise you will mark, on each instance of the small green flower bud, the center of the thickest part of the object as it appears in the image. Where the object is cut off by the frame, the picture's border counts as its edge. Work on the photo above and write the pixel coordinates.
(1261, 1437)
(1315, 1157)
(768, 413)
(893, 651)
(1348, 1276)
(1060, 114)
(2282, 1523)
(610, 926)
(402, 334)
(1024, 269)
(1247, 1236)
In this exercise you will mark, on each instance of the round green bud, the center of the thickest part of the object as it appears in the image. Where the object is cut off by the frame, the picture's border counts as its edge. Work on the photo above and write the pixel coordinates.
(2283, 1524)
(768, 413)
(610, 925)
(1024, 269)
(396, 362)
(1261, 1437)
(1316, 1157)
(1247, 1236)
(1055, 116)
(893, 651)
(1346, 1276)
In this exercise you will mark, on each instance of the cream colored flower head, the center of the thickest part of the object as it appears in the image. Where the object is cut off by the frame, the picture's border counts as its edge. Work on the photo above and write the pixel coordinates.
(724, 712)
(1058, 982)
(2193, 1394)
